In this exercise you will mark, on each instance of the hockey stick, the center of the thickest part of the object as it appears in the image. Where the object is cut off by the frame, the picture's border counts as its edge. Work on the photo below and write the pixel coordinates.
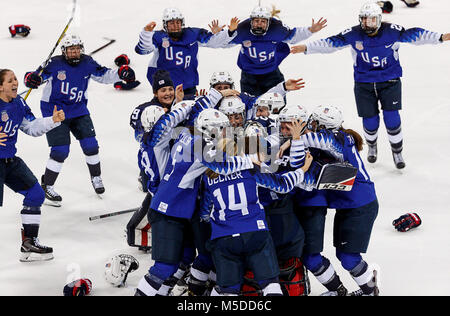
(92, 218)
(45, 63)
(111, 41)
(101, 47)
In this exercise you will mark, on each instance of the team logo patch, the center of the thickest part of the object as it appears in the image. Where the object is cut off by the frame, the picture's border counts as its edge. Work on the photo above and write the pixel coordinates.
(61, 75)
(359, 45)
(247, 43)
(326, 110)
(165, 43)
(5, 116)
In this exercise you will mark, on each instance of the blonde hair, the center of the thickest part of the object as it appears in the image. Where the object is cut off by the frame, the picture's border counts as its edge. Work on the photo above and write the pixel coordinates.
(229, 147)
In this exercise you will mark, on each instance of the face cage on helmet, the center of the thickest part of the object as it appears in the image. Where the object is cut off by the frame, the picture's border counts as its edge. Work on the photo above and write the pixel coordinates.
(373, 29)
(222, 82)
(255, 31)
(175, 33)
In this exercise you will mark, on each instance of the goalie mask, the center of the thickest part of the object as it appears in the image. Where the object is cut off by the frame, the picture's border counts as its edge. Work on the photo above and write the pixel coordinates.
(69, 48)
(222, 77)
(150, 116)
(173, 14)
(370, 17)
(118, 267)
(257, 24)
(325, 116)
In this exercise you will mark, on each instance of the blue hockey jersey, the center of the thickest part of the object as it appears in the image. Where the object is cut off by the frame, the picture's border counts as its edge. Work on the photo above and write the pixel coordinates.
(375, 58)
(261, 54)
(190, 158)
(237, 208)
(17, 115)
(67, 85)
(179, 58)
(342, 147)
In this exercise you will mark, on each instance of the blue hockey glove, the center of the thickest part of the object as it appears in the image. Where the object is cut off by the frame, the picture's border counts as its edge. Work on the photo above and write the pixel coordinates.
(126, 73)
(32, 80)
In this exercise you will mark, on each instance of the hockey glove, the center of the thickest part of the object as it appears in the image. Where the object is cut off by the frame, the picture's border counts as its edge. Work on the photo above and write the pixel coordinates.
(386, 6)
(19, 29)
(406, 222)
(81, 287)
(122, 60)
(32, 80)
(120, 85)
(126, 73)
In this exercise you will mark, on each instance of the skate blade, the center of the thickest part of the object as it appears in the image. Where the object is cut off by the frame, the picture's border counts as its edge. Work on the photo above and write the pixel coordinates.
(52, 203)
(32, 257)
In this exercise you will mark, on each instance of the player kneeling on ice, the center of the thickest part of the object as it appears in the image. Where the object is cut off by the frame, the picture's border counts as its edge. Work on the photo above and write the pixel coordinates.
(67, 78)
(240, 236)
(15, 114)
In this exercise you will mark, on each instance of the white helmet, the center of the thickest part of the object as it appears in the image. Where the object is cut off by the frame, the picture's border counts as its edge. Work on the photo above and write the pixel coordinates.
(69, 41)
(170, 14)
(370, 9)
(254, 128)
(293, 112)
(262, 13)
(211, 119)
(118, 267)
(223, 77)
(150, 115)
(232, 105)
(271, 100)
(329, 116)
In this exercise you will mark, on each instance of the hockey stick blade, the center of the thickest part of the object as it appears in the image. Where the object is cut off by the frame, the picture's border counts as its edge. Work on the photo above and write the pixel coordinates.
(92, 218)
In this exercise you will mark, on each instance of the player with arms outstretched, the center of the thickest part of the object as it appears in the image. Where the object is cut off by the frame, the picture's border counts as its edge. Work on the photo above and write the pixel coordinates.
(377, 71)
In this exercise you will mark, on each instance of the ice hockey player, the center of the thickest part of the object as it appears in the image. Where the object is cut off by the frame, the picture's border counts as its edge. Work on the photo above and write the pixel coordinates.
(356, 210)
(264, 45)
(377, 71)
(67, 77)
(175, 48)
(15, 115)
(240, 233)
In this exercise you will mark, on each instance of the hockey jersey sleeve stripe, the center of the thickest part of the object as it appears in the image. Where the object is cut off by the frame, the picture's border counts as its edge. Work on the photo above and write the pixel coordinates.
(326, 46)
(279, 183)
(300, 34)
(297, 154)
(419, 36)
(231, 165)
(145, 45)
(324, 141)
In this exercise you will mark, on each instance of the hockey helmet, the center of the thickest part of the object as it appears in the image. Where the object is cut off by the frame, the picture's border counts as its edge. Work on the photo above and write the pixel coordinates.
(367, 12)
(69, 41)
(327, 116)
(118, 267)
(171, 14)
(221, 77)
(150, 115)
(261, 13)
(211, 122)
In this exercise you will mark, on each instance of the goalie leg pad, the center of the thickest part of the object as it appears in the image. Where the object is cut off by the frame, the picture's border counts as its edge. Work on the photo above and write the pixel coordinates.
(250, 287)
(294, 279)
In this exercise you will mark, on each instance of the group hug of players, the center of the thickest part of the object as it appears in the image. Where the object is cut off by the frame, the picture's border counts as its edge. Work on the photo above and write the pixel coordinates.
(238, 183)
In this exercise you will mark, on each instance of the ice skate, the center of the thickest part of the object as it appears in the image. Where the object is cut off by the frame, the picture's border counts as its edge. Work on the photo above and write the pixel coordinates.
(52, 198)
(97, 183)
(398, 160)
(375, 292)
(372, 153)
(32, 250)
(341, 291)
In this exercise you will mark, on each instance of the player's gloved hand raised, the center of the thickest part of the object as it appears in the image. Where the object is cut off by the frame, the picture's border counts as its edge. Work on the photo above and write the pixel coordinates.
(19, 29)
(120, 85)
(122, 60)
(81, 287)
(126, 73)
(32, 80)
(406, 222)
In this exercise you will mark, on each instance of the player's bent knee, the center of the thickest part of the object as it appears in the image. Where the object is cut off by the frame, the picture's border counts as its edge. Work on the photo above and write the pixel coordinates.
(89, 146)
(35, 196)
